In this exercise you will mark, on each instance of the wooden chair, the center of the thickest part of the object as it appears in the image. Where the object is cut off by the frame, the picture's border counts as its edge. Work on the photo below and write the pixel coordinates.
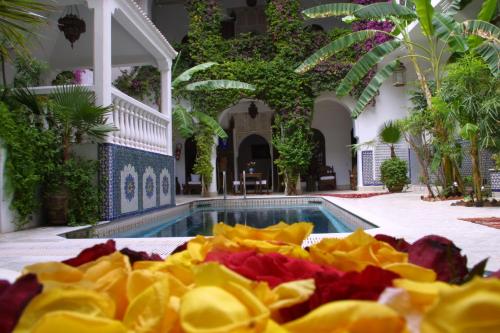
(193, 184)
(327, 179)
(263, 185)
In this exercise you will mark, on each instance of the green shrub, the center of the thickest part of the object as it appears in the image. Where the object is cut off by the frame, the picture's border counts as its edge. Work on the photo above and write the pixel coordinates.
(394, 173)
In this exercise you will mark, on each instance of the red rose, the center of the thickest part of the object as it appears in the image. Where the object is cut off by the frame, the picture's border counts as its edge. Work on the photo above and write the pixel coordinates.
(92, 253)
(274, 268)
(400, 244)
(14, 298)
(134, 256)
(440, 255)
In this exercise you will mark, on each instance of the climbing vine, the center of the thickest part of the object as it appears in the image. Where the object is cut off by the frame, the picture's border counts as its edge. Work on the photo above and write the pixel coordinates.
(267, 61)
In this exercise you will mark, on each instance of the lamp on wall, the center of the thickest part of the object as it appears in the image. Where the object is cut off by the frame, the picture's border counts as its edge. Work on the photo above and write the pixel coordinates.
(251, 3)
(399, 75)
(178, 151)
(72, 25)
(253, 111)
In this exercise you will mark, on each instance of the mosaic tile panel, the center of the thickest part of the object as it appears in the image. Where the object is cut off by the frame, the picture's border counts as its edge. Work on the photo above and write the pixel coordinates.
(485, 160)
(131, 179)
(367, 167)
(495, 181)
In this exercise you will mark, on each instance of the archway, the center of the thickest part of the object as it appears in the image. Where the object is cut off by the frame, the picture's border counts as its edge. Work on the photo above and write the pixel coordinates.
(334, 121)
(256, 148)
(189, 156)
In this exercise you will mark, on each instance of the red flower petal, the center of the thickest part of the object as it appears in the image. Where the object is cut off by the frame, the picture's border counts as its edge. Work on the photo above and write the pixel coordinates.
(134, 256)
(92, 253)
(441, 255)
(180, 248)
(495, 274)
(365, 285)
(400, 244)
(274, 268)
(14, 299)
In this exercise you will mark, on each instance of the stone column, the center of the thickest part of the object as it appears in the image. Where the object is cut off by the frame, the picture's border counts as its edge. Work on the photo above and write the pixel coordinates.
(212, 191)
(102, 49)
(166, 101)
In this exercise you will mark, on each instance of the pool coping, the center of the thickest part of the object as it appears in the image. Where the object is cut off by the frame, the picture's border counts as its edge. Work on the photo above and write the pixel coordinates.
(109, 229)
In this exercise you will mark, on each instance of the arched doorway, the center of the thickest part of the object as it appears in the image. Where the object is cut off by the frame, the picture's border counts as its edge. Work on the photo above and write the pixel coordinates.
(189, 156)
(255, 148)
(318, 160)
(334, 121)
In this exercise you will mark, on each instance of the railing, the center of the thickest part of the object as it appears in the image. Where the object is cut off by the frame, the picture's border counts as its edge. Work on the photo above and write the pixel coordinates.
(140, 126)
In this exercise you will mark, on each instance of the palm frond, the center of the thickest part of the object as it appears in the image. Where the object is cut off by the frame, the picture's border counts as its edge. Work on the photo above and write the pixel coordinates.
(364, 64)
(382, 10)
(337, 45)
(211, 123)
(425, 12)
(329, 10)
(488, 10)
(219, 84)
(482, 29)
(183, 121)
(373, 87)
(490, 53)
(188, 74)
(449, 31)
(390, 133)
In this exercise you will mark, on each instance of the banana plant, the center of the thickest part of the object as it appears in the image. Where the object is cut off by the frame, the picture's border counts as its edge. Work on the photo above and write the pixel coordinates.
(186, 121)
(443, 35)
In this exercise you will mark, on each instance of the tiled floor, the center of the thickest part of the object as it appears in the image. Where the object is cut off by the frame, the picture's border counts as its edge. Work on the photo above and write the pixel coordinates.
(401, 215)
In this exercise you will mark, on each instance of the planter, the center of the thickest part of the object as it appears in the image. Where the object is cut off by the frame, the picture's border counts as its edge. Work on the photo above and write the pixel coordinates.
(56, 207)
(396, 188)
(251, 170)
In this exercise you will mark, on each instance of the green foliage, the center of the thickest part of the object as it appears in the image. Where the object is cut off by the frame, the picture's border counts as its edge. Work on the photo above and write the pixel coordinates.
(142, 83)
(18, 21)
(78, 177)
(496, 158)
(203, 166)
(390, 133)
(394, 173)
(65, 77)
(28, 71)
(293, 140)
(30, 153)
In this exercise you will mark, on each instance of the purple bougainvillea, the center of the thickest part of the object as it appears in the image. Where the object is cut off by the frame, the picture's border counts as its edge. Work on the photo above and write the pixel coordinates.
(379, 38)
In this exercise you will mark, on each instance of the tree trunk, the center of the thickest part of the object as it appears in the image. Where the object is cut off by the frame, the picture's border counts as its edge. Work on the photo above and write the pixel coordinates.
(476, 171)
(290, 185)
(393, 152)
(423, 161)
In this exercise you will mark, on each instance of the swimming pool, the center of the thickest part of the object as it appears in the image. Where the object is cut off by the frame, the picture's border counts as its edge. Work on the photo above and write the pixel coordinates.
(199, 217)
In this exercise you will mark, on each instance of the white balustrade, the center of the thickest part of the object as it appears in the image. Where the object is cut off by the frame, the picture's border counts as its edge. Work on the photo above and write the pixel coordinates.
(140, 126)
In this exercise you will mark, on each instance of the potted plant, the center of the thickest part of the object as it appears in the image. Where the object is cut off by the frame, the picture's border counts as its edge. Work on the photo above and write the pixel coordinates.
(394, 174)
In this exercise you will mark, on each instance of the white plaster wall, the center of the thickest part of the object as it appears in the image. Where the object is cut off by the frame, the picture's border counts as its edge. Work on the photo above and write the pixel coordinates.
(334, 121)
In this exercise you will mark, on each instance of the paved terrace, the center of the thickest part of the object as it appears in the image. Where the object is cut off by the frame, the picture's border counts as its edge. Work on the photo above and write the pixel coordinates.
(400, 215)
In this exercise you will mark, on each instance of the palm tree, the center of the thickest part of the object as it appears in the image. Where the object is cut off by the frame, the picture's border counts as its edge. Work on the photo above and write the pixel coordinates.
(389, 134)
(442, 35)
(186, 121)
(18, 19)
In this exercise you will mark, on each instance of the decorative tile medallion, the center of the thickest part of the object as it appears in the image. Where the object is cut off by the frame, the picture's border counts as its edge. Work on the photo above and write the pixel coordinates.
(129, 188)
(150, 187)
(149, 193)
(166, 187)
(129, 201)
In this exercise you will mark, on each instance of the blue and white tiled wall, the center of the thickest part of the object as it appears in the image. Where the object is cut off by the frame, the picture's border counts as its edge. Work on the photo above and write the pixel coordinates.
(135, 181)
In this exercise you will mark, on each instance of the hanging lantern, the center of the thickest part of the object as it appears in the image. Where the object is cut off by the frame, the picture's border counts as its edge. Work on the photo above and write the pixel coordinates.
(399, 75)
(72, 26)
(251, 3)
(253, 111)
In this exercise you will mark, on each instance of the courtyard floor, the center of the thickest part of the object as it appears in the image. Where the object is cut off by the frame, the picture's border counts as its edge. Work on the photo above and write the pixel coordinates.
(400, 215)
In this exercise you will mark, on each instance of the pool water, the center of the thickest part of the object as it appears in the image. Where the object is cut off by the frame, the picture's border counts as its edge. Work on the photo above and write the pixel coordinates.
(201, 221)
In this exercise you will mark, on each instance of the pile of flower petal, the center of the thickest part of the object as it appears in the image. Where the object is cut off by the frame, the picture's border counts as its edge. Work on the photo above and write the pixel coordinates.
(258, 280)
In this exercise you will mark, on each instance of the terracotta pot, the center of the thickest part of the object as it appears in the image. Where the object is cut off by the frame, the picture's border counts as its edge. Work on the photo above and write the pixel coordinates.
(396, 188)
(56, 207)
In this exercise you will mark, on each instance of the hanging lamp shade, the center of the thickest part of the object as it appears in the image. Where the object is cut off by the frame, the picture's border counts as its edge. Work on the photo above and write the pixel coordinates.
(253, 111)
(72, 26)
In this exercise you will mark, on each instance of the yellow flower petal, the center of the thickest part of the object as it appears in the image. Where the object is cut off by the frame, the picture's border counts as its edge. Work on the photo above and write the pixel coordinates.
(139, 280)
(412, 272)
(472, 308)
(291, 293)
(150, 311)
(349, 317)
(54, 271)
(75, 300)
(422, 294)
(355, 252)
(65, 322)
(294, 233)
